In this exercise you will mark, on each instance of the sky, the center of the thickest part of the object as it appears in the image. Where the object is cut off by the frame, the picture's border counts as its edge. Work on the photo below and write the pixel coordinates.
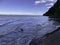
(25, 7)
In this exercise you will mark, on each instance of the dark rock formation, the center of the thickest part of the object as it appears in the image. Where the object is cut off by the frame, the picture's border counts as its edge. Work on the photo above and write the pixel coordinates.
(52, 38)
(54, 11)
(35, 42)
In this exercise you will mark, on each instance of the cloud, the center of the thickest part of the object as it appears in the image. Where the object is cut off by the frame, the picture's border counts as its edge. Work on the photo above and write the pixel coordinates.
(39, 1)
(43, 1)
(52, 0)
(49, 5)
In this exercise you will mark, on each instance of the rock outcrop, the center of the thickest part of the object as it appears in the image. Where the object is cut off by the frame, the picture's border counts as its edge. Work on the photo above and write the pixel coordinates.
(52, 39)
(54, 11)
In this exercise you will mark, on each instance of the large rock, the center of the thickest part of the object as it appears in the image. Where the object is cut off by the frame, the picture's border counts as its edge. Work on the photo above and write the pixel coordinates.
(52, 39)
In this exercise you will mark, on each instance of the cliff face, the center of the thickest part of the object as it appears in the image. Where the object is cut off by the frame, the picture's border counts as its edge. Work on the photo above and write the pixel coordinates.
(54, 11)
